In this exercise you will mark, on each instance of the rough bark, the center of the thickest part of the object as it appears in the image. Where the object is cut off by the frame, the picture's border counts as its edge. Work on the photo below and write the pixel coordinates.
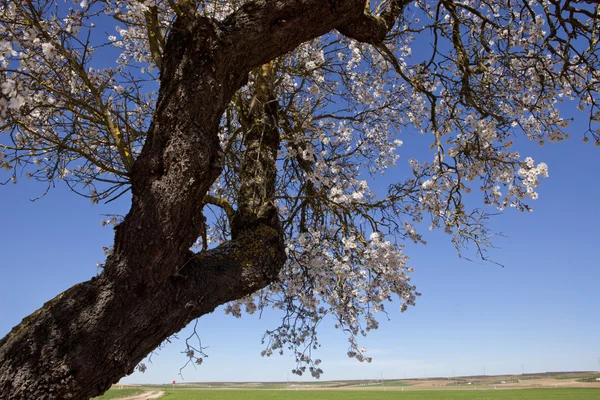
(88, 337)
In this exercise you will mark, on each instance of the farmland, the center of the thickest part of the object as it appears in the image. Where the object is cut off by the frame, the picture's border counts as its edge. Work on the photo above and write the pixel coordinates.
(268, 394)
(540, 386)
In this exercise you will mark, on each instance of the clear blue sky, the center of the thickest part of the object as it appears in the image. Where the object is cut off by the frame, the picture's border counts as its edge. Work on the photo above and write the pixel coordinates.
(540, 310)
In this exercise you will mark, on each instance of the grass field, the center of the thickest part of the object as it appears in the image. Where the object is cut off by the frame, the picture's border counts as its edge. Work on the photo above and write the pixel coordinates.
(521, 394)
(117, 393)
(524, 394)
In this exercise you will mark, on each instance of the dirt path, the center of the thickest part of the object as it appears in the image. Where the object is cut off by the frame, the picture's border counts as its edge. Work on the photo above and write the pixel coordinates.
(145, 396)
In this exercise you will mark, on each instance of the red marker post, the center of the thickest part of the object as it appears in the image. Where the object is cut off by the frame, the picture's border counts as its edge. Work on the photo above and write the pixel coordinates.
(174, 384)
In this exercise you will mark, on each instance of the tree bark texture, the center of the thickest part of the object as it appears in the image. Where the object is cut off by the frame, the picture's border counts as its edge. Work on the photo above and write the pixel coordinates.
(85, 339)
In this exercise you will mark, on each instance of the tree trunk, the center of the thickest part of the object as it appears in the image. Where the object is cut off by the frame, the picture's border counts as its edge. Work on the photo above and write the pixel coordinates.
(88, 337)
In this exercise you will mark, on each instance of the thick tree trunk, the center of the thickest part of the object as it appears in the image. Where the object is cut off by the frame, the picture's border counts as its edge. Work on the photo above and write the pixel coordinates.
(88, 337)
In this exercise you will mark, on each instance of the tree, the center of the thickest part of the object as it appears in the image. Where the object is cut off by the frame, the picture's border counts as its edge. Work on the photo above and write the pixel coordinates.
(269, 113)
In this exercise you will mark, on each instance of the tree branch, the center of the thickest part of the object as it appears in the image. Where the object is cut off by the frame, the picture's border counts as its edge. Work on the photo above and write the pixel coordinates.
(129, 318)
(221, 203)
(374, 28)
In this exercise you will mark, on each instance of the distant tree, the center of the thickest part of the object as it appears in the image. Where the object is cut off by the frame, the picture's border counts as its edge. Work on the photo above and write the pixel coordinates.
(270, 113)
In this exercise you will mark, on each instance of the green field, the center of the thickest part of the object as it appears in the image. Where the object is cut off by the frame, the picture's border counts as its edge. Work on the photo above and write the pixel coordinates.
(521, 394)
(116, 393)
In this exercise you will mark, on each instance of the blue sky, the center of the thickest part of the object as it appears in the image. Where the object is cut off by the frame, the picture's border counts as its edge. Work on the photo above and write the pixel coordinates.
(539, 310)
